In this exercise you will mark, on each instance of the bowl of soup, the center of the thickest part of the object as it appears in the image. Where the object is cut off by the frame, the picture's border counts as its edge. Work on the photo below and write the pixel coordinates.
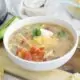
(40, 43)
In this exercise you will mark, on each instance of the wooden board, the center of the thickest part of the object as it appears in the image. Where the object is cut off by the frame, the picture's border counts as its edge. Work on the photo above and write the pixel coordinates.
(73, 64)
(10, 67)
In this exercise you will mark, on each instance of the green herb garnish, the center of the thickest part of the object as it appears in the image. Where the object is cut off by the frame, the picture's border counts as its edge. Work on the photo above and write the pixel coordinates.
(36, 32)
(61, 34)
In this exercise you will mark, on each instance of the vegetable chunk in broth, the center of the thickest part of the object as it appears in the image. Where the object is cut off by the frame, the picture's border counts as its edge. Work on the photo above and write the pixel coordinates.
(41, 42)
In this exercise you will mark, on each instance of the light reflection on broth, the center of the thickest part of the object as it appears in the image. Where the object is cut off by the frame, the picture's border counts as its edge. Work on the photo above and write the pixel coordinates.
(41, 42)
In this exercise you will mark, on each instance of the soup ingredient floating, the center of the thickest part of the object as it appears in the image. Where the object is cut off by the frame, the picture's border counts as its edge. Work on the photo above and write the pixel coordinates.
(41, 42)
(42, 32)
(35, 54)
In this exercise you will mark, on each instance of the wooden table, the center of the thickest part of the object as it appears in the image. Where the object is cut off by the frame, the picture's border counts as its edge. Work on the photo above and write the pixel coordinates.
(73, 65)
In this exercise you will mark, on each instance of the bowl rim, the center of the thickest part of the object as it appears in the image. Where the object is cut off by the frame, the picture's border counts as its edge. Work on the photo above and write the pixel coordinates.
(33, 62)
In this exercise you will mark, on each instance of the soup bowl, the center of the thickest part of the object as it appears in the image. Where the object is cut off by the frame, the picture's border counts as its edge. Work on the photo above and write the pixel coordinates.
(46, 65)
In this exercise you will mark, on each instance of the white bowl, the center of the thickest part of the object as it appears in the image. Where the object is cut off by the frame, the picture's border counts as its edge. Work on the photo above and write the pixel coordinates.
(25, 11)
(39, 66)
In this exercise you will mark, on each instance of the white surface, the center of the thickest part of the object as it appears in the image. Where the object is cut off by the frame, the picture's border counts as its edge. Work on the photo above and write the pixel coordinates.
(13, 6)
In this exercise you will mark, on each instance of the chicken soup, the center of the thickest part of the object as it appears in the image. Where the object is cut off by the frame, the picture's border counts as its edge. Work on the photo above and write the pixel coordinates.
(41, 42)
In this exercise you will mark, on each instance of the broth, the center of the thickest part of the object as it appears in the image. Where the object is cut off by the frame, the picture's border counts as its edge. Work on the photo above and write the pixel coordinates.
(41, 42)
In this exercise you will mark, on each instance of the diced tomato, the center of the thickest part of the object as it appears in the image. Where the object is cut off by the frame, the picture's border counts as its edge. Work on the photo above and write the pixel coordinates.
(41, 55)
(21, 52)
(20, 55)
(40, 51)
(33, 49)
(42, 48)
(28, 56)
(35, 54)
(37, 57)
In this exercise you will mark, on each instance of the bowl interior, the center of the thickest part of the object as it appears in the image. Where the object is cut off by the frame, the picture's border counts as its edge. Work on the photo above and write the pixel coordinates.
(33, 20)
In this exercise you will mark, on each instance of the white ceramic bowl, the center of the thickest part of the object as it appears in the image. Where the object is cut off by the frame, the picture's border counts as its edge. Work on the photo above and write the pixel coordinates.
(25, 11)
(39, 66)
